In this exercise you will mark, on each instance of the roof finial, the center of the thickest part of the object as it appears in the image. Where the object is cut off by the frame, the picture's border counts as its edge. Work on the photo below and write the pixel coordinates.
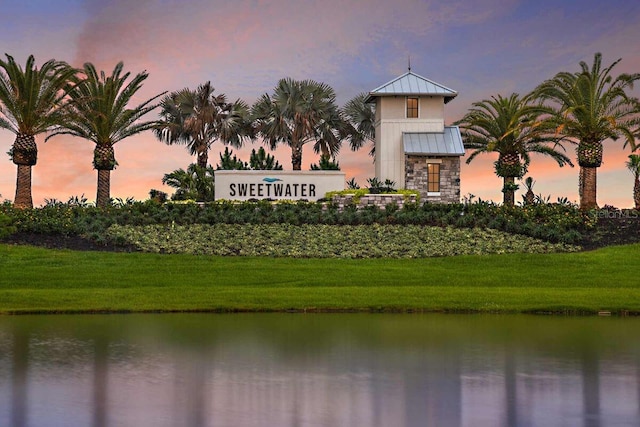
(409, 62)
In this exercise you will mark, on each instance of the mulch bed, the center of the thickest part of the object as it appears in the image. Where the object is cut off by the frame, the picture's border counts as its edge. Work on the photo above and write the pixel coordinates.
(613, 231)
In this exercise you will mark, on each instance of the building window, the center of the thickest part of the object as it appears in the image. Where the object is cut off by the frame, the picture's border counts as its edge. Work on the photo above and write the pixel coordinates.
(433, 177)
(412, 108)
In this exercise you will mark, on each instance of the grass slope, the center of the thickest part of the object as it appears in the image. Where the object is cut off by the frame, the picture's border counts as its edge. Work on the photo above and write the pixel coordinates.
(42, 280)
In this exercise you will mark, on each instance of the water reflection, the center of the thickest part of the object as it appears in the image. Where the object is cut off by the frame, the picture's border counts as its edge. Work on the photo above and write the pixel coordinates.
(318, 370)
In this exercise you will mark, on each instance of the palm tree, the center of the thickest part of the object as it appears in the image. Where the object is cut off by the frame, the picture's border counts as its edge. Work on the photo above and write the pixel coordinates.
(591, 106)
(529, 197)
(513, 127)
(633, 164)
(299, 112)
(194, 183)
(31, 104)
(98, 112)
(362, 117)
(198, 118)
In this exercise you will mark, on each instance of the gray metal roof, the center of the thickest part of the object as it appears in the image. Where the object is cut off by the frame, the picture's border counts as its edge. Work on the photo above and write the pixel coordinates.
(448, 143)
(412, 84)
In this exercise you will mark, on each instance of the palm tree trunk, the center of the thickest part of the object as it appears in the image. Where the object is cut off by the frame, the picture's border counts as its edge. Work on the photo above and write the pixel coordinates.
(589, 188)
(296, 157)
(23, 198)
(581, 183)
(325, 151)
(509, 194)
(104, 188)
(24, 153)
(203, 159)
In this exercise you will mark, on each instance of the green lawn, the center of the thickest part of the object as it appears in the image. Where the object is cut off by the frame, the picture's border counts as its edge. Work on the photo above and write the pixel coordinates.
(43, 280)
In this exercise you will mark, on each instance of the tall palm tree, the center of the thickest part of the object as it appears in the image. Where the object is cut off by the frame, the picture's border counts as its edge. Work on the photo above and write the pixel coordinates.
(362, 117)
(299, 112)
(513, 127)
(99, 112)
(591, 106)
(31, 104)
(199, 118)
(633, 164)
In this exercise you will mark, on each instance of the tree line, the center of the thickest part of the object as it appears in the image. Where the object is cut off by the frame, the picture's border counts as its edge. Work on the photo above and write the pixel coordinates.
(583, 108)
(58, 99)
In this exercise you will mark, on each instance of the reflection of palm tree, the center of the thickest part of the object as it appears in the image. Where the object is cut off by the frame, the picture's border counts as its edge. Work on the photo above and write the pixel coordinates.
(99, 114)
(511, 388)
(31, 101)
(590, 388)
(19, 378)
(100, 380)
(592, 106)
(198, 118)
(513, 127)
(434, 377)
(299, 112)
(198, 374)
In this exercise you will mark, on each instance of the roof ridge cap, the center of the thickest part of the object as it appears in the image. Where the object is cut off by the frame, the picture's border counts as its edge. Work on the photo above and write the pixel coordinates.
(452, 93)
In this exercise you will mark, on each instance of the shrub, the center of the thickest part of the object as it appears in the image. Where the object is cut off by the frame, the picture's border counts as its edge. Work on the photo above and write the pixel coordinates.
(555, 222)
(325, 241)
(6, 226)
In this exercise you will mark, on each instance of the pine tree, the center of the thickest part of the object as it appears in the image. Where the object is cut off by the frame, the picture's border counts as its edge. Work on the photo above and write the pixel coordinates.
(260, 160)
(326, 164)
(229, 162)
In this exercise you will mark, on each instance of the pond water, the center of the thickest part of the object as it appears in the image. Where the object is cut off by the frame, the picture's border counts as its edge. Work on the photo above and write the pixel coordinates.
(319, 370)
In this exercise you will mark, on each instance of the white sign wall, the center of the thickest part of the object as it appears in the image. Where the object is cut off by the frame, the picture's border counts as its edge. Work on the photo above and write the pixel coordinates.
(276, 185)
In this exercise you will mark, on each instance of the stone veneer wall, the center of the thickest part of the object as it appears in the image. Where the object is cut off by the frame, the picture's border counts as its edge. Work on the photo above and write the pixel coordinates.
(416, 178)
(379, 200)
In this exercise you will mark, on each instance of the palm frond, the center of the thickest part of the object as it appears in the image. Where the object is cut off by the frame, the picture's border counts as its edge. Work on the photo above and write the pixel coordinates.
(98, 108)
(33, 97)
(512, 125)
(198, 118)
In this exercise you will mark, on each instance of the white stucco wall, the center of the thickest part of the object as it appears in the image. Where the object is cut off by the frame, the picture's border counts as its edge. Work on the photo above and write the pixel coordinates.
(390, 158)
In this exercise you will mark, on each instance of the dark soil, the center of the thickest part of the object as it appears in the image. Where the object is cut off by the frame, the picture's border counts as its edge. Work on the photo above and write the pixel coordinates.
(615, 230)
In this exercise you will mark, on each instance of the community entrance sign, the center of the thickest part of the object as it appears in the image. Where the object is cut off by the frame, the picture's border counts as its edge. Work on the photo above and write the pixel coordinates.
(276, 185)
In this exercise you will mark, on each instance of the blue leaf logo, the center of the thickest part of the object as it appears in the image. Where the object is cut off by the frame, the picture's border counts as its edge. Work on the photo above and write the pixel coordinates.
(271, 179)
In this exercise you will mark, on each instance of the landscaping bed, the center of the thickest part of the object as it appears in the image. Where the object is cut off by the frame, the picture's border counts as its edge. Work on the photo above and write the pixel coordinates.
(81, 227)
(327, 241)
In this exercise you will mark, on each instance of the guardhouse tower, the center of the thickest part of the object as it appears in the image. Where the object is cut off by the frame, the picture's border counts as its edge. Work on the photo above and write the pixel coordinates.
(414, 148)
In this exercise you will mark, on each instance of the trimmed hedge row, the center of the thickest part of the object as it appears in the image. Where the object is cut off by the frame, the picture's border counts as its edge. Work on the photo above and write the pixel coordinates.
(562, 223)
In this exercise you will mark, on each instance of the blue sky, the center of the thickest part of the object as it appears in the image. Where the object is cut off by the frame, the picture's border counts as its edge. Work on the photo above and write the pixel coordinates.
(479, 48)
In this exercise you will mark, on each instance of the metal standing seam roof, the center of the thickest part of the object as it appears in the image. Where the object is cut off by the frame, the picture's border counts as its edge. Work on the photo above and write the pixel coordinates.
(411, 83)
(447, 143)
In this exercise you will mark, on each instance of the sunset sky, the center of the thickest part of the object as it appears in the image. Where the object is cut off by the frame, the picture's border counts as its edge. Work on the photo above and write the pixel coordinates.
(479, 48)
